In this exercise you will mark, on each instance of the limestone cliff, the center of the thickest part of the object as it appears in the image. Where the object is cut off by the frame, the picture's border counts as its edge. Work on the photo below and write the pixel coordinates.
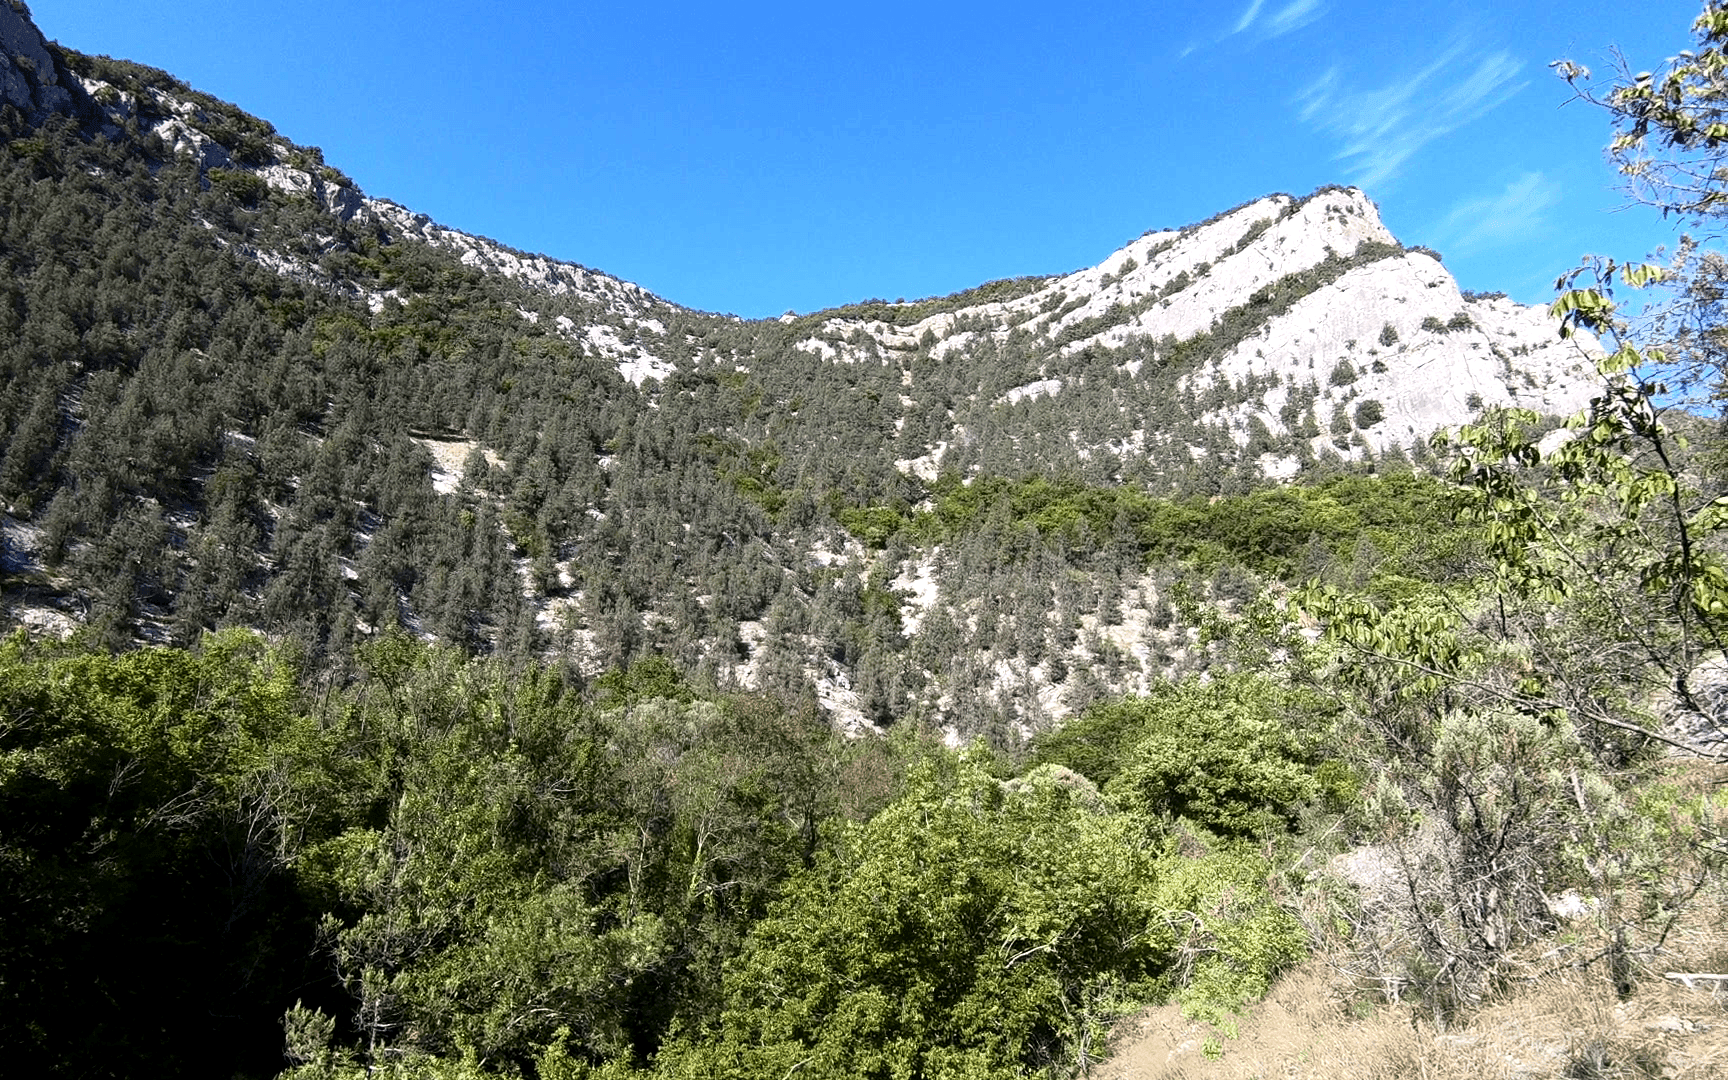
(30, 79)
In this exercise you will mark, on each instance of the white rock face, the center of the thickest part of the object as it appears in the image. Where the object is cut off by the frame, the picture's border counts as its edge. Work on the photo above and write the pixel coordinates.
(188, 140)
(450, 461)
(1381, 357)
(1038, 389)
(1222, 278)
(28, 80)
(1334, 341)
(339, 199)
(1219, 277)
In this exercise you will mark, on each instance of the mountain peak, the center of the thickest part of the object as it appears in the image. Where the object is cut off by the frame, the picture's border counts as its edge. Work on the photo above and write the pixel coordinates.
(1291, 320)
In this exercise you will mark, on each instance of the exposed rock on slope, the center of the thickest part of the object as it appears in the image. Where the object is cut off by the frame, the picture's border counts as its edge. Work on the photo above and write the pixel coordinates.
(1315, 314)
(30, 80)
(320, 413)
(1397, 338)
(1294, 321)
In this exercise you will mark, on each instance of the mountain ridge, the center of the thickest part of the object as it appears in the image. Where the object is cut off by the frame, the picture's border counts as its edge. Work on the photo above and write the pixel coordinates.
(360, 418)
(1301, 232)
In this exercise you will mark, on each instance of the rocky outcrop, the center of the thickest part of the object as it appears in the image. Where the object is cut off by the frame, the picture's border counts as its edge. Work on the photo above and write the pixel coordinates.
(1321, 327)
(1396, 350)
(30, 79)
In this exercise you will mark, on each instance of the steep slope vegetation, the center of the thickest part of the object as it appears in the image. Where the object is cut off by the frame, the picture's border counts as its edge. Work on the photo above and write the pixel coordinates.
(238, 391)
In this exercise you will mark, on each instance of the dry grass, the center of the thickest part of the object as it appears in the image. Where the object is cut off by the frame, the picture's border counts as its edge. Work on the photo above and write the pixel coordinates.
(1564, 1025)
(1551, 1021)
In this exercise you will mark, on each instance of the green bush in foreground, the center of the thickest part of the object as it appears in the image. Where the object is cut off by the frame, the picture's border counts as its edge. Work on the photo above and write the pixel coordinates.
(456, 868)
(975, 929)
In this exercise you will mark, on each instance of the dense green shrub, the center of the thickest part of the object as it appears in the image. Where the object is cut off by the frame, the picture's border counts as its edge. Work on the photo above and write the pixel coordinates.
(979, 930)
(1235, 755)
(245, 188)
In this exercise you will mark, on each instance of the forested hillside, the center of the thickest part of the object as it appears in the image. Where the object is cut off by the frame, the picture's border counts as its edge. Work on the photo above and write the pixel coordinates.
(238, 392)
(436, 659)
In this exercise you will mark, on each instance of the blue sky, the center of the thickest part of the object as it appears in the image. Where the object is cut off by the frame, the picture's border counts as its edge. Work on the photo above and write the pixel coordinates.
(758, 158)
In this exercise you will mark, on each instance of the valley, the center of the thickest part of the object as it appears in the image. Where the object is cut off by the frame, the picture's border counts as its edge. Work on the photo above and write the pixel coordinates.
(1251, 652)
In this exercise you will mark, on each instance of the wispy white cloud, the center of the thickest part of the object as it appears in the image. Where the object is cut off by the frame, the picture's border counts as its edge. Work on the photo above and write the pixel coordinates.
(1381, 128)
(1281, 20)
(1293, 16)
(1499, 220)
(1264, 24)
